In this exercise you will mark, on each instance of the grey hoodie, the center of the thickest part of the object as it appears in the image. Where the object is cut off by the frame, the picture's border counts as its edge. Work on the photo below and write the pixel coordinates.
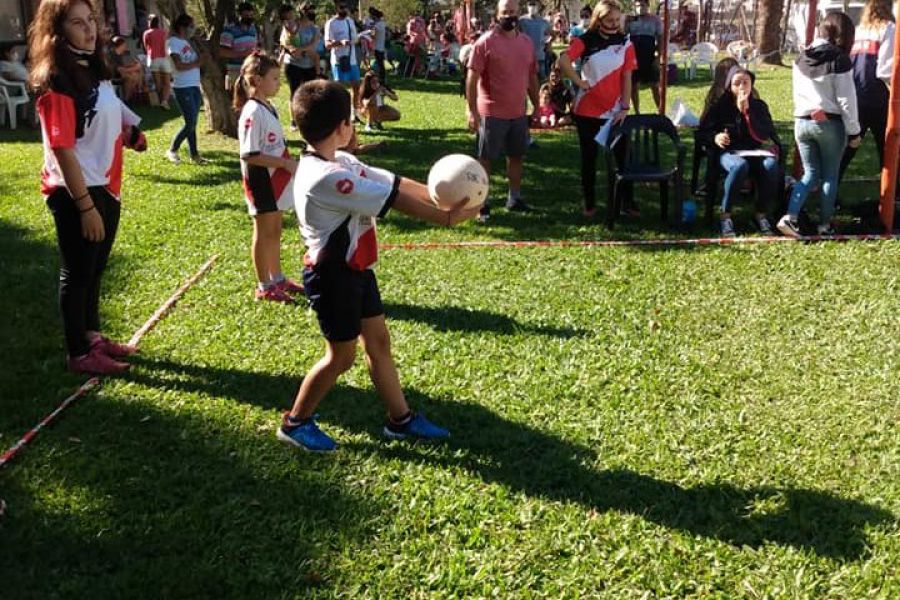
(823, 79)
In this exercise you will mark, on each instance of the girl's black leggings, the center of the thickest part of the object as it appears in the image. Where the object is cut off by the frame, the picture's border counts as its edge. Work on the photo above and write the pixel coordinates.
(588, 128)
(81, 264)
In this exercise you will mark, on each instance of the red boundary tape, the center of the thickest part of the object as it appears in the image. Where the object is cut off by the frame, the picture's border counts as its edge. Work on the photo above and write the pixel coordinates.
(93, 382)
(631, 243)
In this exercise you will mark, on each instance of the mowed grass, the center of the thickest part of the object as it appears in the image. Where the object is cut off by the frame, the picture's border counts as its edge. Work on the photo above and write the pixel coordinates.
(627, 423)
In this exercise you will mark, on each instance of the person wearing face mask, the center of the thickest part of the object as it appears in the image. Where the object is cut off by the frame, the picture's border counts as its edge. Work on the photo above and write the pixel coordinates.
(237, 42)
(537, 29)
(340, 39)
(502, 70)
(299, 38)
(84, 127)
(579, 28)
(604, 88)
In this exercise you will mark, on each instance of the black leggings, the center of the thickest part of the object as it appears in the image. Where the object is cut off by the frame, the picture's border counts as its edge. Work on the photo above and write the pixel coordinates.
(870, 118)
(588, 127)
(81, 264)
(296, 77)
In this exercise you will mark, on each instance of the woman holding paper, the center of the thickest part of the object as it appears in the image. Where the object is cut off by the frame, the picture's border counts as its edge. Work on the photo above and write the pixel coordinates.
(604, 86)
(736, 127)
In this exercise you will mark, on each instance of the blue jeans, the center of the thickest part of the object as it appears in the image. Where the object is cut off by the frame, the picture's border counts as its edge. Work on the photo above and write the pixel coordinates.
(765, 174)
(821, 145)
(189, 100)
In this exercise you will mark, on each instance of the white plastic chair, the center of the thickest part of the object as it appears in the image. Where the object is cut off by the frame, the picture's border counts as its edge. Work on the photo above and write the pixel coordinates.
(745, 53)
(703, 53)
(12, 95)
(677, 56)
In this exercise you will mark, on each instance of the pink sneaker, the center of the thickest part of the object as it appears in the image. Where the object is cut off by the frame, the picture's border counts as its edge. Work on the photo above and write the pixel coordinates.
(290, 286)
(113, 349)
(96, 362)
(274, 294)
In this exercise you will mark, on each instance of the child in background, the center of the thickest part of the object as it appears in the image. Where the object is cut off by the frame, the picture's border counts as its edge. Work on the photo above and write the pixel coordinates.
(374, 108)
(546, 115)
(337, 201)
(561, 97)
(267, 170)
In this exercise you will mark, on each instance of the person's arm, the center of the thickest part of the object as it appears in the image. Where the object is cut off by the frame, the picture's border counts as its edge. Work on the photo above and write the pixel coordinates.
(885, 63)
(272, 162)
(413, 200)
(565, 65)
(533, 87)
(184, 66)
(91, 222)
(472, 78)
(759, 120)
(845, 95)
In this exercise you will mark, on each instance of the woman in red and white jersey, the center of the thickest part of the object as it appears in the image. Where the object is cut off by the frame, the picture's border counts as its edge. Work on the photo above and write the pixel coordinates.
(604, 85)
(84, 127)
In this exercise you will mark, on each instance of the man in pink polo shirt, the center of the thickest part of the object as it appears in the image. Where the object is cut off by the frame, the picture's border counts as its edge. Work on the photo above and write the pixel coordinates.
(502, 73)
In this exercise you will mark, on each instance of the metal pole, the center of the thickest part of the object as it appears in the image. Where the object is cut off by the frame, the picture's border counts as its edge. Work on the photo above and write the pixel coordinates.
(664, 59)
(891, 142)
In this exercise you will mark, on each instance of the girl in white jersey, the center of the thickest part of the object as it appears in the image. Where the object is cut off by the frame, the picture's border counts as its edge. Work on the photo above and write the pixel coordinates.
(267, 171)
(84, 126)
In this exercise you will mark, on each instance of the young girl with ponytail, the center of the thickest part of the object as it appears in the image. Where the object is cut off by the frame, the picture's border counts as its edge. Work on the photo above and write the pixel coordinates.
(84, 127)
(267, 170)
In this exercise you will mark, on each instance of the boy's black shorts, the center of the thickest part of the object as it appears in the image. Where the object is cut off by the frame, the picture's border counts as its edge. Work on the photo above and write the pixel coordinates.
(342, 298)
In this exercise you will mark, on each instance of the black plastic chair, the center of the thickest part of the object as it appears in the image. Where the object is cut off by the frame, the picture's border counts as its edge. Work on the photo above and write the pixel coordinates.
(633, 156)
(705, 154)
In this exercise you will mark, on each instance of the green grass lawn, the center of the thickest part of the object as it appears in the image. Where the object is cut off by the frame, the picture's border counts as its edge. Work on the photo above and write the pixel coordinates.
(627, 422)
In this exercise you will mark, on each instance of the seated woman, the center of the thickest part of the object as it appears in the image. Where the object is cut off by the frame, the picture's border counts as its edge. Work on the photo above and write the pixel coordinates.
(374, 108)
(561, 97)
(735, 129)
(128, 68)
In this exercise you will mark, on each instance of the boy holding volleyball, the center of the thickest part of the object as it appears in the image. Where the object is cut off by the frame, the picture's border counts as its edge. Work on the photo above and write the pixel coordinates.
(337, 199)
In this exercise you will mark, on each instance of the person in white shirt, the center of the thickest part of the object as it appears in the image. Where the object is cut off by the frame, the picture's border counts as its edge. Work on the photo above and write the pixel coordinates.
(825, 118)
(340, 39)
(186, 86)
(379, 45)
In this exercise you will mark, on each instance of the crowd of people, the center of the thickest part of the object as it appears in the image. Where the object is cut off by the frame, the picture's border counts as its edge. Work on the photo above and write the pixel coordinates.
(840, 89)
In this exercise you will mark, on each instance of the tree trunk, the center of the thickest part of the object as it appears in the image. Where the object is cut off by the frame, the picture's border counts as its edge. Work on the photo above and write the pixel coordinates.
(768, 31)
(216, 102)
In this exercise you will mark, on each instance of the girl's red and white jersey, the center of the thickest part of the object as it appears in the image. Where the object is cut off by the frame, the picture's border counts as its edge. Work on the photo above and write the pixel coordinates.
(337, 203)
(90, 123)
(260, 132)
(604, 59)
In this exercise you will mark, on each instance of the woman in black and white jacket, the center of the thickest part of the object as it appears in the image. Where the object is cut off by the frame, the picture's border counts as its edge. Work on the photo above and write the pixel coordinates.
(825, 118)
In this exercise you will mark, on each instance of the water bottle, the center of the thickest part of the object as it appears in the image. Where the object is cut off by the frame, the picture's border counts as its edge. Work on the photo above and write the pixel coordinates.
(688, 211)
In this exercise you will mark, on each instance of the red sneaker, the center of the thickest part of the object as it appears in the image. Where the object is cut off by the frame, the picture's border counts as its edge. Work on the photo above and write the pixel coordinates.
(113, 349)
(274, 294)
(290, 286)
(96, 362)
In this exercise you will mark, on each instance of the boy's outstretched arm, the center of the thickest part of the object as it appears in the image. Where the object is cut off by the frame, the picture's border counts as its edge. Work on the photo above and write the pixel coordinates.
(413, 200)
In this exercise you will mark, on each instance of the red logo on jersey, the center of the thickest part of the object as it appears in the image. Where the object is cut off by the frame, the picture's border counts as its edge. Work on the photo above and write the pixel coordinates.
(248, 122)
(344, 186)
(272, 137)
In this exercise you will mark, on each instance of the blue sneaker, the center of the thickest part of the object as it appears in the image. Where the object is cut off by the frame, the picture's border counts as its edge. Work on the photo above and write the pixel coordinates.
(417, 427)
(306, 435)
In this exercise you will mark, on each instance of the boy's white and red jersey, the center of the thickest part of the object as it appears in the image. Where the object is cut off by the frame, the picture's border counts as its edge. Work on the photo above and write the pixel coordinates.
(260, 132)
(604, 60)
(337, 203)
(90, 123)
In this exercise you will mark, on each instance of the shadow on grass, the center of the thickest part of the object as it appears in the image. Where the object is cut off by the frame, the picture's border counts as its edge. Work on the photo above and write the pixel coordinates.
(454, 318)
(542, 465)
(172, 504)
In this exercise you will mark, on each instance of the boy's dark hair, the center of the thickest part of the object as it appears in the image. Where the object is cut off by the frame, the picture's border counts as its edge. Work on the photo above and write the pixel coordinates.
(285, 9)
(244, 6)
(838, 29)
(319, 107)
(154, 21)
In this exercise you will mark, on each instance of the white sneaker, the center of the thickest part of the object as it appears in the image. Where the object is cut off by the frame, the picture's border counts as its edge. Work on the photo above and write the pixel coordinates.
(728, 228)
(789, 227)
(173, 157)
(826, 230)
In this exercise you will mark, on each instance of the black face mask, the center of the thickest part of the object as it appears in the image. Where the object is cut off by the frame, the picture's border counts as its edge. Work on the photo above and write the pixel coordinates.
(311, 16)
(508, 23)
(246, 21)
(342, 14)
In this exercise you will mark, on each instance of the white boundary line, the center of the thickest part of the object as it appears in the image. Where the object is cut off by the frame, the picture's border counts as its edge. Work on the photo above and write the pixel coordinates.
(93, 382)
